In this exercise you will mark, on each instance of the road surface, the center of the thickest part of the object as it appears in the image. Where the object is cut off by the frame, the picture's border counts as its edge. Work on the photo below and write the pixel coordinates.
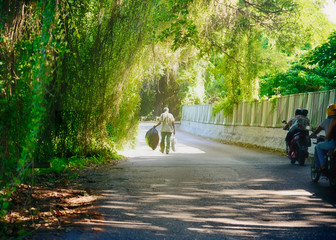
(209, 190)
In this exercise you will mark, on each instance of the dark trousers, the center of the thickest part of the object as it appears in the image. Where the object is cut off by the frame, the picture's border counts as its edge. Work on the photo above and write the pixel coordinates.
(165, 141)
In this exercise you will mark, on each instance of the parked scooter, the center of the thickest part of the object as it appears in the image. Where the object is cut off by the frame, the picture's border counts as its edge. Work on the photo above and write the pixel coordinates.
(298, 147)
(330, 160)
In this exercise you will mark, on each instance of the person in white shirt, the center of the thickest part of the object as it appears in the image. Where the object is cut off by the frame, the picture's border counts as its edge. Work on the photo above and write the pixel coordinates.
(167, 129)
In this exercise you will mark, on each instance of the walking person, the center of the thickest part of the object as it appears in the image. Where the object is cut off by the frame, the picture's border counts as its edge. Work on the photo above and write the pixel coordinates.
(167, 129)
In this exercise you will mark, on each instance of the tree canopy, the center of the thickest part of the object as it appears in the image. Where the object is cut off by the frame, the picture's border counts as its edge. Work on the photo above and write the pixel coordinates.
(314, 71)
(233, 45)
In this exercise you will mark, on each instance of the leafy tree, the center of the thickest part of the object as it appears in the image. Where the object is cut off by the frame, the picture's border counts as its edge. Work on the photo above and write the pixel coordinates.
(245, 40)
(71, 71)
(161, 85)
(236, 43)
(70, 77)
(316, 71)
(295, 80)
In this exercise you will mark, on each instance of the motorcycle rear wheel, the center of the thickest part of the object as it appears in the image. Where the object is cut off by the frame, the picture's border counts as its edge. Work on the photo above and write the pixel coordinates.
(315, 176)
(332, 181)
(292, 161)
(301, 157)
(332, 175)
(293, 155)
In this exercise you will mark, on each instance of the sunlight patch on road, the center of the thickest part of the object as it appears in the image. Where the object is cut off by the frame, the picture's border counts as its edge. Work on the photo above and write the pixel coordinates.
(118, 207)
(123, 224)
(237, 211)
(170, 196)
(146, 151)
(188, 150)
(263, 180)
(243, 193)
(240, 232)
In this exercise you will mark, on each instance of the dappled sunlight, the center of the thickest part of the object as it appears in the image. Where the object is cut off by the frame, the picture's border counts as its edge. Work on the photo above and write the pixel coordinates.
(144, 151)
(123, 224)
(231, 211)
(171, 196)
(242, 231)
(214, 200)
(263, 180)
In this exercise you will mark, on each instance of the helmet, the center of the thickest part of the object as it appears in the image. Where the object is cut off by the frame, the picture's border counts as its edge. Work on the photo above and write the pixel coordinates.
(304, 112)
(331, 110)
(298, 111)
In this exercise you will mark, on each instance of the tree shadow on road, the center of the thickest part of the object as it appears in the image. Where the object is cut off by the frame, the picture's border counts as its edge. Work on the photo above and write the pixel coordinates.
(164, 207)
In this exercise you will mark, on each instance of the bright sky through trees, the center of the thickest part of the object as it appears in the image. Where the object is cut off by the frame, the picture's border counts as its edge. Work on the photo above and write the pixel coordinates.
(330, 10)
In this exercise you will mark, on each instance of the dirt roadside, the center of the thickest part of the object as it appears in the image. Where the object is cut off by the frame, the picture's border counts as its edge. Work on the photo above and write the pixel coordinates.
(54, 204)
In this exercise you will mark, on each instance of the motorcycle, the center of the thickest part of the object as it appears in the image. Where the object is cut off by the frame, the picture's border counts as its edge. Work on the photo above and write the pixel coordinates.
(298, 147)
(330, 160)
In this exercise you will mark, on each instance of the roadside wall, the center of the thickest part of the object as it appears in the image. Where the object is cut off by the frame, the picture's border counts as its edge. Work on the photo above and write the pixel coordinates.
(257, 122)
(264, 113)
(265, 137)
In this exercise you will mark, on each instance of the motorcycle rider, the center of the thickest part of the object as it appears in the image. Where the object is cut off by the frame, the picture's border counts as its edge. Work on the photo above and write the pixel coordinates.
(289, 124)
(300, 124)
(328, 125)
(304, 115)
(293, 119)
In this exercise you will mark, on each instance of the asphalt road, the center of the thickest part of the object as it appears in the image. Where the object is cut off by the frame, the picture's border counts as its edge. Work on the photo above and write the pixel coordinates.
(209, 190)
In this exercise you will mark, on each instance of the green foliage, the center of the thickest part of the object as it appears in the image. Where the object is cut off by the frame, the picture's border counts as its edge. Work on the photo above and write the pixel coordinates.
(148, 96)
(225, 105)
(246, 40)
(60, 165)
(315, 72)
(179, 27)
(324, 56)
(233, 46)
(68, 90)
(71, 72)
(295, 80)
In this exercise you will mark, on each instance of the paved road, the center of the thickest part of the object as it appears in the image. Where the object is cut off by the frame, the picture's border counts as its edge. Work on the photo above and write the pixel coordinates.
(208, 190)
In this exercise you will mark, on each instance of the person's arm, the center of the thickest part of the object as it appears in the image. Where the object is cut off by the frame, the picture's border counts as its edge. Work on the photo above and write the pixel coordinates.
(288, 124)
(174, 127)
(157, 124)
(313, 135)
(331, 134)
(286, 127)
(160, 120)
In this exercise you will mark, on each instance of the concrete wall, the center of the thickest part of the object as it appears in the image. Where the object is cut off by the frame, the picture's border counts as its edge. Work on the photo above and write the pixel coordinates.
(273, 138)
(264, 113)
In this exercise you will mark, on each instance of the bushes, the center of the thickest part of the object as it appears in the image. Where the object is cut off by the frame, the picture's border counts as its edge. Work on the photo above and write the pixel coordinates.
(315, 71)
(65, 89)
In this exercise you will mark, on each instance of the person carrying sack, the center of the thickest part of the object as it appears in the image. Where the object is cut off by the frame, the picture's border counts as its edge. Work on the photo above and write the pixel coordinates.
(167, 129)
